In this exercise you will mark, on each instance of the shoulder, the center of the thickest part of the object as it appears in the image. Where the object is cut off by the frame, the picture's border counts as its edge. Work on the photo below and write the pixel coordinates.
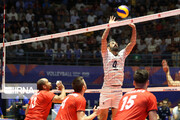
(77, 97)
(122, 51)
(46, 93)
(150, 95)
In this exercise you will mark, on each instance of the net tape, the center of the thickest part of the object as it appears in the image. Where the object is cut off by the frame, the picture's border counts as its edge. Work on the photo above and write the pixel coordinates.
(150, 89)
(95, 28)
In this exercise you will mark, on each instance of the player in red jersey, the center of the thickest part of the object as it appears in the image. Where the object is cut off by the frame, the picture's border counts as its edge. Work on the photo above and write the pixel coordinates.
(40, 103)
(73, 106)
(138, 103)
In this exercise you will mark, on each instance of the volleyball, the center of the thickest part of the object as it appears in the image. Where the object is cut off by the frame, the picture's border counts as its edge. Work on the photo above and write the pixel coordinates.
(123, 11)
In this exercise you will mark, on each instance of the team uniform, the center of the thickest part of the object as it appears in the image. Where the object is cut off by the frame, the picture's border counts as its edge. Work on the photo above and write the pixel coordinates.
(70, 106)
(176, 112)
(164, 113)
(40, 105)
(135, 105)
(113, 79)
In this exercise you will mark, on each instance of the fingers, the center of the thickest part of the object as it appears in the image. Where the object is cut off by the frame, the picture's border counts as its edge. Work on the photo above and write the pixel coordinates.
(112, 19)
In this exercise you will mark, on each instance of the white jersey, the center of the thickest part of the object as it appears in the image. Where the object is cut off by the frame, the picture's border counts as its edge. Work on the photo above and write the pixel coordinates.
(113, 68)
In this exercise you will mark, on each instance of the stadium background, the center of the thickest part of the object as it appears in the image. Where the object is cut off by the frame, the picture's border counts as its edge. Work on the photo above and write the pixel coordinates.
(27, 63)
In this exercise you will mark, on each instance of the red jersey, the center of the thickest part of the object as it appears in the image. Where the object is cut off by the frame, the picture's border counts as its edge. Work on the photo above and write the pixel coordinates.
(135, 105)
(71, 104)
(40, 105)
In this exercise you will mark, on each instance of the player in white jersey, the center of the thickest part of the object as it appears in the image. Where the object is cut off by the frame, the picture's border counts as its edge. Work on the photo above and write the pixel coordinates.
(113, 64)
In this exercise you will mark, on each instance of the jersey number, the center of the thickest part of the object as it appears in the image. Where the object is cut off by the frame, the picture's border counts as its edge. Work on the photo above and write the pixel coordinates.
(114, 64)
(64, 102)
(33, 102)
(128, 102)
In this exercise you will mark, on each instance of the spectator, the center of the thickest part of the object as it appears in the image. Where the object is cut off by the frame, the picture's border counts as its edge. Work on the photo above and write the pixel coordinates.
(64, 44)
(29, 15)
(49, 51)
(97, 54)
(69, 55)
(104, 6)
(21, 14)
(79, 4)
(77, 52)
(164, 111)
(176, 112)
(41, 21)
(91, 17)
(24, 27)
(28, 4)
(67, 22)
(148, 39)
(142, 46)
(74, 17)
(59, 22)
(168, 40)
(46, 4)
(26, 34)
(19, 51)
(163, 46)
(17, 34)
(12, 14)
(157, 57)
(157, 41)
(136, 58)
(152, 47)
(176, 57)
(19, 4)
(59, 56)
(19, 106)
(138, 39)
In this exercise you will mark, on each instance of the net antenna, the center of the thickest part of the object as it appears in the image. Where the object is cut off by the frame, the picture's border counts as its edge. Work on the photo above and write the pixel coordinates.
(4, 51)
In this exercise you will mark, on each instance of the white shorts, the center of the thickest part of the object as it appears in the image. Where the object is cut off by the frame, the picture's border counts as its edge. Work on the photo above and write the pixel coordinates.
(110, 98)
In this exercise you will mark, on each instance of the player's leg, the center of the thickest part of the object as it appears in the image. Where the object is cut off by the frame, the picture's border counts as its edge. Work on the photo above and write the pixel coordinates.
(104, 114)
(115, 102)
(104, 104)
(114, 111)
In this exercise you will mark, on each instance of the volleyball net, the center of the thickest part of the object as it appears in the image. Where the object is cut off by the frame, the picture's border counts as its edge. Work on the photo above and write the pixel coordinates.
(62, 64)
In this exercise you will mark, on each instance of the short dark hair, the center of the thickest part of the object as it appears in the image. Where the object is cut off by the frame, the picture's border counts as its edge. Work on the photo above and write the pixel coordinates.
(179, 102)
(111, 40)
(40, 84)
(77, 84)
(141, 76)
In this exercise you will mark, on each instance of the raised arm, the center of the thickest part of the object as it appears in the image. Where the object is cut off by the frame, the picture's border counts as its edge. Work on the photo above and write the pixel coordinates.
(105, 35)
(170, 81)
(59, 98)
(132, 43)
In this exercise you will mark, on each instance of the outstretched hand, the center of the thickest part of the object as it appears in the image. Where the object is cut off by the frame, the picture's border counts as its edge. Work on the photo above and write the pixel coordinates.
(112, 19)
(60, 86)
(96, 110)
(132, 25)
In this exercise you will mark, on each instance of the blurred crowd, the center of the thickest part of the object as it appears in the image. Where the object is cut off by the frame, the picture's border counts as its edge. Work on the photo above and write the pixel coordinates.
(166, 111)
(156, 40)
